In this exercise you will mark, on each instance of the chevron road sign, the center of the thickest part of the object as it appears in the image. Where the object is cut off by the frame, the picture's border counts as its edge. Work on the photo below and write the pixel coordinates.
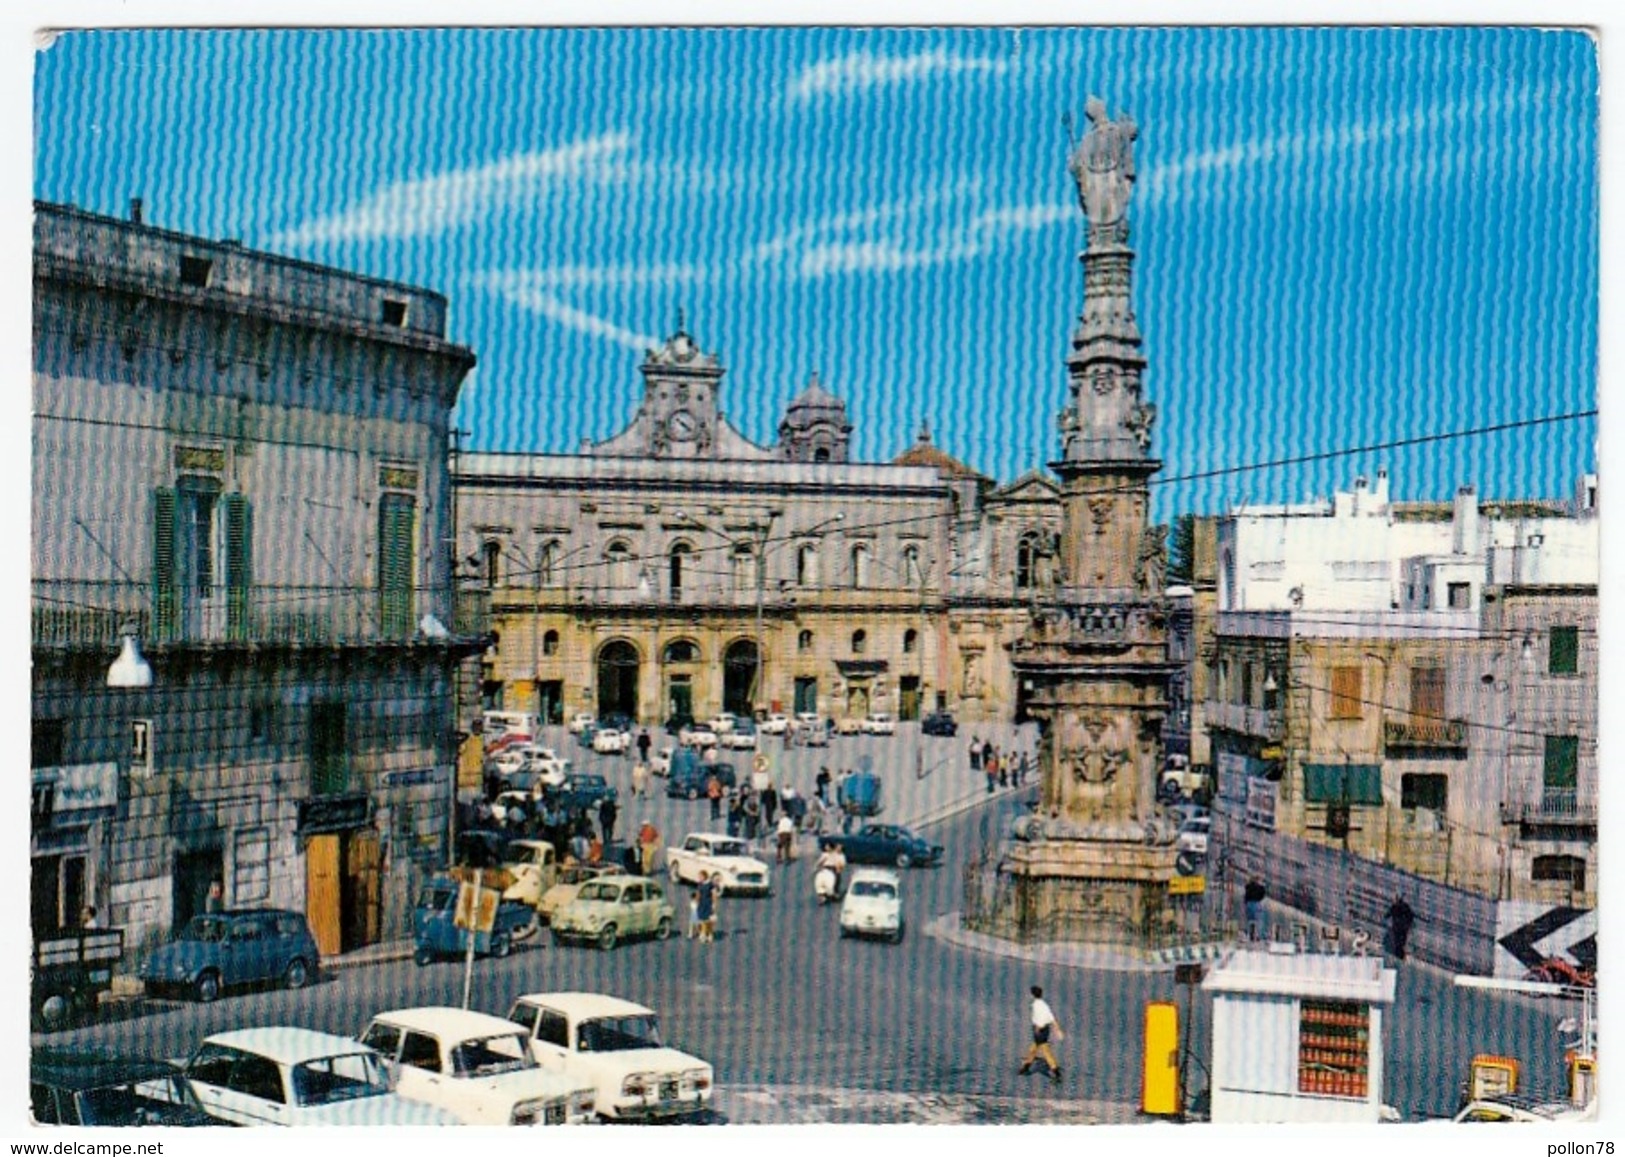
(1194, 953)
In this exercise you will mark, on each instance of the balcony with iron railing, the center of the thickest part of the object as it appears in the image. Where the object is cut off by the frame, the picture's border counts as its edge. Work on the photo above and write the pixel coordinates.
(721, 595)
(79, 615)
(1403, 729)
(1551, 807)
(1264, 723)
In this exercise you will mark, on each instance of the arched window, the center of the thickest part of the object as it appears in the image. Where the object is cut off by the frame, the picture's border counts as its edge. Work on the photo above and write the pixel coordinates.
(618, 558)
(682, 651)
(546, 559)
(678, 558)
(807, 565)
(491, 554)
(821, 454)
(1027, 562)
(913, 576)
(860, 566)
(860, 640)
(1570, 870)
(804, 642)
(550, 643)
(911, 641)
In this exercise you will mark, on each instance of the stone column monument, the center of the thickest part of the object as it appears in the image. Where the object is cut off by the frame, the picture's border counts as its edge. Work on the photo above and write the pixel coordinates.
(1094, 863)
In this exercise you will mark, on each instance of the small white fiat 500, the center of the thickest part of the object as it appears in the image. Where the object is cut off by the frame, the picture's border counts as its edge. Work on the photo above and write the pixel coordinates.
(873, 905)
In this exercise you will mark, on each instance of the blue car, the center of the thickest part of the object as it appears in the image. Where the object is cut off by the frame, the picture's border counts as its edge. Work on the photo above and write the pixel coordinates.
(227, 949)
(690, 774)
(885, 844)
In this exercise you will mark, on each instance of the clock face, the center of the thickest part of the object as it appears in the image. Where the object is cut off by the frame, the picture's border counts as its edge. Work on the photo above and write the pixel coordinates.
(681, 426)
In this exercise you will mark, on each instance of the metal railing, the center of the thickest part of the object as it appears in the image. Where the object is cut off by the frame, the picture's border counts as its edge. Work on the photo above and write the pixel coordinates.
(1554, 805)
(1405, 730)
(1238, 717)
(70, 614)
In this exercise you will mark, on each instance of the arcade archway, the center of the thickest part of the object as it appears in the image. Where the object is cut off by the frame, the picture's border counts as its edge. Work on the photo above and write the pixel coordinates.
(618, 679)
(740, 674)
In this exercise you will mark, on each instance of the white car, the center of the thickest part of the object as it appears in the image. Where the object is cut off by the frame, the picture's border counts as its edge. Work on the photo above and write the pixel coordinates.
(706, 852)
(293, 1076)
(660, 761)
(510, 802)
(879, 723)
(580, 722)
(721, 724)
(611, 742)
(616, 1046)
(477, 1067)
(775, 724)
(809, 730)
(740, 739)
(699, 735)
(534, 867)
(873, 905)
(1193, 835)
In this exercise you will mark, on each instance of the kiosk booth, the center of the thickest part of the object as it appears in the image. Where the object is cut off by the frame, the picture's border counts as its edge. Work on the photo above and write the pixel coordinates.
(1297, 1037)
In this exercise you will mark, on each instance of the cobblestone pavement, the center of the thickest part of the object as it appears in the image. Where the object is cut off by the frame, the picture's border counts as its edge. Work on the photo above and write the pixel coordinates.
(812, 1105)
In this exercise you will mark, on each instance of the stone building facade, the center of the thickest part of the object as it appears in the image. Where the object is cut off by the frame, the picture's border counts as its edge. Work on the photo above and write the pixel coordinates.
(239, 462)
(678, 568)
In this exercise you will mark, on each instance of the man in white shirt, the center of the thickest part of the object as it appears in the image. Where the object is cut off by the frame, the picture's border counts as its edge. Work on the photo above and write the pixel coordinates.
(1045, 1027)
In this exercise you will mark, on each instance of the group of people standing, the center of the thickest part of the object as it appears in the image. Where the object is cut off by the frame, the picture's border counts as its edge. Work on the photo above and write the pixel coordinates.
(1003, 768)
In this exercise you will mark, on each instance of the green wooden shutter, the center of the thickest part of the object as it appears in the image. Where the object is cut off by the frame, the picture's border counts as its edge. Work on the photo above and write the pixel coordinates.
(166, 599)
(397, 531)
(1562, 765)
(1564, 655)
(239, 564)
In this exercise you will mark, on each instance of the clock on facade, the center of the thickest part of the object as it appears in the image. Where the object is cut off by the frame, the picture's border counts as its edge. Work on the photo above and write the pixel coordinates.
(682, 426)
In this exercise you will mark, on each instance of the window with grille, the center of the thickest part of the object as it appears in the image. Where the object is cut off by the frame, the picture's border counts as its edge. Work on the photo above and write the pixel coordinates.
(1346, 693)
(397, 542)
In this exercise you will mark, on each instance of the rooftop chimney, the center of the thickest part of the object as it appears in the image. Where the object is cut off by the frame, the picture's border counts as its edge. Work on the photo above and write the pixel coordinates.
(135, 210)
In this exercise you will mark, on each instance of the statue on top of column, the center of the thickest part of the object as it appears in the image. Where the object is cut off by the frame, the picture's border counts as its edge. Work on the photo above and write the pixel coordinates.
(1102, 164)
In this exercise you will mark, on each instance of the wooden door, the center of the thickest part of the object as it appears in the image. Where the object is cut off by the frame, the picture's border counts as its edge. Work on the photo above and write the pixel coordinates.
(323, 904)
(363, 864)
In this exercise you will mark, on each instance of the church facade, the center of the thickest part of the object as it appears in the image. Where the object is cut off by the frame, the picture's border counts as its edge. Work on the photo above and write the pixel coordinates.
(680, 569)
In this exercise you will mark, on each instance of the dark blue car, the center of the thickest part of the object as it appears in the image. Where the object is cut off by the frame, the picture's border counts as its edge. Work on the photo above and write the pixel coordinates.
(690, 774)
(236, 947)
(580, 791)
(938, 723)
(885, 844)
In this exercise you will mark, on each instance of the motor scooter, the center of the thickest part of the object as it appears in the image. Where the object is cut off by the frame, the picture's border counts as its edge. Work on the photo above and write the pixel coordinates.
(826, 884)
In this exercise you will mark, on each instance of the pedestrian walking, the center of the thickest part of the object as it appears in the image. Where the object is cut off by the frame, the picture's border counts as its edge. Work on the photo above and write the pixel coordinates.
(1024, 768)
(770, 804)
(753, 815)
(996, 766)
(607, 813)
(1045, 1029)
(643, 745)
(640, 779)
(1400, 919)
(992, 772)
(975, 753)
(648, 845)
(787, 838)
(1252, 906)
(821, 786)
(705, 907)
(693, 913)
(713, 792)
(736, 813)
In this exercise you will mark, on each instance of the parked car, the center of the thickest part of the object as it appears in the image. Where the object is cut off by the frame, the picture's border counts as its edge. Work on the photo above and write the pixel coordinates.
(1193, 834)
(293, 1076)
(660, 761)
(500, 724)
(698, 735)
(884, 844)
(580, 722)
(534, 868)
(879, 723)
(608, 741)
(702, 853)
(481, 848)
(939, 723)
(775, 724)
(580, 791)
(721, 724)
(475, 1066)
(1512, 1108)
(873, 905)
(618, 721)
(569, 882)
(675, 724)
(85, 1088)
(237, 947)
(523, 767)
(611, 908)
(617, 1047)
(520, 804)
(690, 774)
(809, 730)
(437, 937)
(850, 725)
(742, 737)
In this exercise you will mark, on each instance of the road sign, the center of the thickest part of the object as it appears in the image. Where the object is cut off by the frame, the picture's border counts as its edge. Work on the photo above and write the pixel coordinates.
(760, 762)
(476, 908)
(1187, 885)
(1194, 953)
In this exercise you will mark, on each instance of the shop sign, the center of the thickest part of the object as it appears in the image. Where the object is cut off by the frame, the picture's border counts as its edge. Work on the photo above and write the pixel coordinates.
(416, 777)
(78, 787)
(334, 813)
(1260, 812)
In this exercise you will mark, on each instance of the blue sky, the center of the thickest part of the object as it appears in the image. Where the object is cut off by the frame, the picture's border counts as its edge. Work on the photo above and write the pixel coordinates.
(1345, 236)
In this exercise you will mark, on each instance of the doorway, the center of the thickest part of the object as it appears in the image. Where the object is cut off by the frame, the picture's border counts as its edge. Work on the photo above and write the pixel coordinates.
(550, 701)
(194, 872)
(739, 677)
(806, 694)
(618, 679)
(342, 887)
(56, 891)
(908, 698)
